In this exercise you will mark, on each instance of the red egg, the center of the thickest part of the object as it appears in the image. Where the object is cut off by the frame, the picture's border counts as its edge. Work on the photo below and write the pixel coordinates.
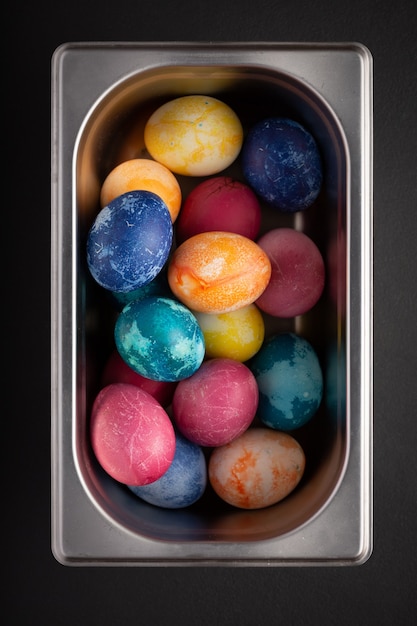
(218, 272)
(219, 203)
(217, 403)
(131, 434)
(298, 274)
(118, 371)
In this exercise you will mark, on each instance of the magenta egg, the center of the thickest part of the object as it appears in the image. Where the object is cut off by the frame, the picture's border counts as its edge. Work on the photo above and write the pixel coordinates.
(297, 276)
(220, 203)
(131, 434)
(217, 403)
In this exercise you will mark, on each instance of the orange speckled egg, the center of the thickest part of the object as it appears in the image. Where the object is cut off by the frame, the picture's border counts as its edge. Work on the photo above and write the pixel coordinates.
(194, 135)
(259, 468)
(143, 175)
(218, 272)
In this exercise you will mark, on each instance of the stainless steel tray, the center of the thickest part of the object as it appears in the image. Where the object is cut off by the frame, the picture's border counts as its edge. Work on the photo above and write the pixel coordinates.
(98, 90)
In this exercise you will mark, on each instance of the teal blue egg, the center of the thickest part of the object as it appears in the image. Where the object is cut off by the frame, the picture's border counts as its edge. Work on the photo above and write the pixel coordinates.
(160, 339)
(290, 381)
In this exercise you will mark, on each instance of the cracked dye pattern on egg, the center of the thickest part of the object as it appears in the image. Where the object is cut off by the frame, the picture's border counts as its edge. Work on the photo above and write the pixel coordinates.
(129, 241)
(160, 339)
(131, 434)
(183, 483)
(290, 381)
(216, 404)
(282, 164)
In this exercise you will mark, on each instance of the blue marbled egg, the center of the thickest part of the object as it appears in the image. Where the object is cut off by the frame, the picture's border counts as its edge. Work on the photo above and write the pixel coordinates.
(129, 241)
(290, 381)
(282, 164)
(183, 483)
(160, 339)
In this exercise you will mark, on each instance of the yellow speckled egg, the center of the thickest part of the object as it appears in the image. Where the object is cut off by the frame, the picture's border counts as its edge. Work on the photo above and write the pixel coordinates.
(143, 175)
(235, 335)
(259, 468)
(194, 135)
(218, 272)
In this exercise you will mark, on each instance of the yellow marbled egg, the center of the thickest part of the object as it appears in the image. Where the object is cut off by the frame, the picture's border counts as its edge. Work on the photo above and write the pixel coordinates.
(235, 335)
(194, 135)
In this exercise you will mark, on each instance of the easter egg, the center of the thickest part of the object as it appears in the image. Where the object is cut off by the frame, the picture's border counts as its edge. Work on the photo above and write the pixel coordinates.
(160, 339)
(183, 483)
(143, 174)
(235, 335)
(217, 403)
(290, 381)
(297, 278)
(131, 434)
(219, 203)
(129, 241)
(281, 162)
(217, 272)
(256, 470)
(194, 135)
(116, 370)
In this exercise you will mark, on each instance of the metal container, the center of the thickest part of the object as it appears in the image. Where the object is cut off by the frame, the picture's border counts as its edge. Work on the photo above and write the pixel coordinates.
(102, 94)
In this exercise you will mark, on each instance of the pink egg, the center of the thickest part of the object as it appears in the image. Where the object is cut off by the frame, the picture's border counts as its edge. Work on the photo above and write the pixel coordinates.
(116, 370)
(217, 403)
(259, 468)
(131, 434)
(219, 203)
(298, 274)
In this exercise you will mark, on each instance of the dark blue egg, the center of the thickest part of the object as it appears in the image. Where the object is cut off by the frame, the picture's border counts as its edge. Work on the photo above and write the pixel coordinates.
(160, 339)
(183, 483)
(157, 287)
(282, 164)
(290, 381)
(129, 241)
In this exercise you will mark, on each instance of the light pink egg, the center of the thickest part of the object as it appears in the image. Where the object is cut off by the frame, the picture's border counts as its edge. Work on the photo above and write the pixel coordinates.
(259, 468)
(298, 274)
(217, 403)
(131, 434)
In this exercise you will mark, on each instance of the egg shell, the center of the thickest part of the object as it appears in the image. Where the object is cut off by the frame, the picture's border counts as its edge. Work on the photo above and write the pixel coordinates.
(218, 272)
(290, 381)
(183, 483)
(219, 203)
(143, 174)
(217, 403)
(194, 135)
(116, 370)
(129, 241)
(281, 162)
(298, 274)
(131, 434)
(235, 335)
(258, 469)
(160, 339)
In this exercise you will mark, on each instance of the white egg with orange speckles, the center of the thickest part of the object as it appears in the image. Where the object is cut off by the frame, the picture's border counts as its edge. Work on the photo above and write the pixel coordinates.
(258, 469)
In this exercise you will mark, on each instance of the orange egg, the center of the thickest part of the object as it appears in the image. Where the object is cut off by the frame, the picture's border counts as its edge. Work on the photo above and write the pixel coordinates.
(217, 272)
(259, 468)
(145, 175)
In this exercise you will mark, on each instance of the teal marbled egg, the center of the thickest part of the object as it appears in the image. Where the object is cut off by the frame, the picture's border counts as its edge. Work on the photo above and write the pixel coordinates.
(160, 339)
(290, 381)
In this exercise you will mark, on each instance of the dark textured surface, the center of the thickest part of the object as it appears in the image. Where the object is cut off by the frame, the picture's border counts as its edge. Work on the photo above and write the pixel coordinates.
(38, 589)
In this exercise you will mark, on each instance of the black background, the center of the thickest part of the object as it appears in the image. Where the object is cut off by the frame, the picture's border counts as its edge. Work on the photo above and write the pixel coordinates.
(40, 591)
